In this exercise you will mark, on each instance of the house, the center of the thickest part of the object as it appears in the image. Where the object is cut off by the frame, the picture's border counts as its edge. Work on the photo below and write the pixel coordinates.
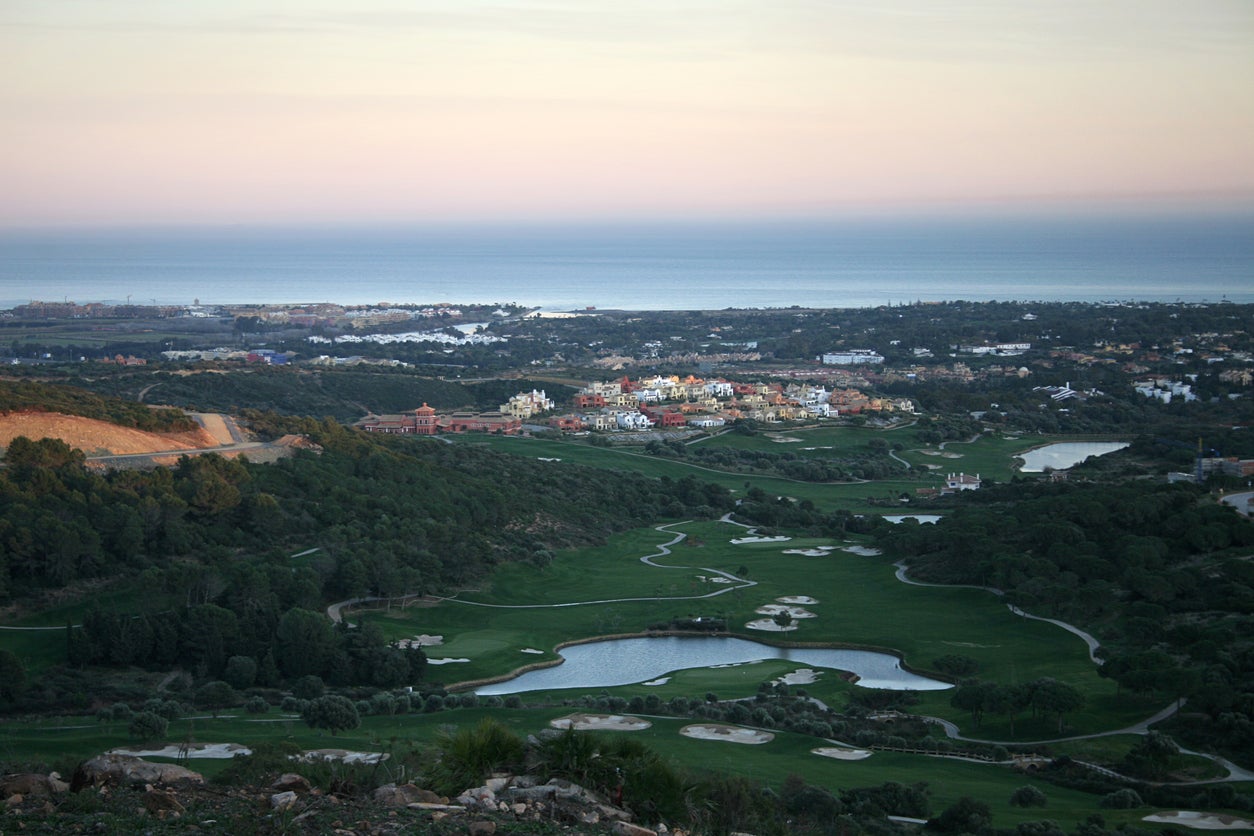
(852, 357)
(961, 482)
(527, 404)
(487, 422)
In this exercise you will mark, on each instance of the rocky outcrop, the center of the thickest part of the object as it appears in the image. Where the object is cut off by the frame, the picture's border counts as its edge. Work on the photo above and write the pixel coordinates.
(114, 770)
(32, 785)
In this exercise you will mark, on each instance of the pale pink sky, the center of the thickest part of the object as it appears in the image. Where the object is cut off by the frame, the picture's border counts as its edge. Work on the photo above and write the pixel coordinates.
(281, 111)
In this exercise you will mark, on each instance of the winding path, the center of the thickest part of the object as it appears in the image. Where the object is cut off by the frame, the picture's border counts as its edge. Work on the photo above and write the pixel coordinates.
(335, 611)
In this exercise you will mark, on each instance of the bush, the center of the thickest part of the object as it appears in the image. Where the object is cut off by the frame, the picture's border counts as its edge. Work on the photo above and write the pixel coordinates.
(332, 712)
(1124, 799)
(256, 705)
(1028, 796)
(147, 725)
(465, 757)
(309, 687)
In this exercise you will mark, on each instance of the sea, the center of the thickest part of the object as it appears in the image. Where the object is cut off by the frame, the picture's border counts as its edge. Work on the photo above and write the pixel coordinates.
(844, 263)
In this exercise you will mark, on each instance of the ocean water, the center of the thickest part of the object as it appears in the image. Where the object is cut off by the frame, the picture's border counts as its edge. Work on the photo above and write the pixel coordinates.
(849, 263)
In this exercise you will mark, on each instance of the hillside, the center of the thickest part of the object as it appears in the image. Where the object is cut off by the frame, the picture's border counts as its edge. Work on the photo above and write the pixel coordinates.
(93, 436)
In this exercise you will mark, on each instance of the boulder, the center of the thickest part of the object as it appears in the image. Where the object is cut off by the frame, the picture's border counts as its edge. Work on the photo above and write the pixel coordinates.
(402, 795)
(622, 828)
(162, 803)
(283, 800)
(106, 770)
(32, 785)
(481, 828)
(291, 781)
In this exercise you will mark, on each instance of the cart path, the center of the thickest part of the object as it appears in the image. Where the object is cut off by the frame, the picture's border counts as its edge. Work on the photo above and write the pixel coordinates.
(335, 611)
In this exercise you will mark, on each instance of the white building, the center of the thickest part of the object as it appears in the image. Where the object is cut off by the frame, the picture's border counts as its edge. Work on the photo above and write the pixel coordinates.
(527, 404)
(632, 421)
(962, 482)
(852, 357)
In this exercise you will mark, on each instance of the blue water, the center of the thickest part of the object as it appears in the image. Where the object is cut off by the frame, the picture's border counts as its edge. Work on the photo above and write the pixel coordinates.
(850, 263)
(626, 661)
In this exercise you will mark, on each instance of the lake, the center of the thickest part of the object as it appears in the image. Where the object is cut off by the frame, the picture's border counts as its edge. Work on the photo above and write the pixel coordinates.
(604, 664)
(1064, 455)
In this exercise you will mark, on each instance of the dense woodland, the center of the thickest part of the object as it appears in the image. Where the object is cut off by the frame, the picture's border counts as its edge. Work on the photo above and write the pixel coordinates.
(1159, 573)
(210, 541)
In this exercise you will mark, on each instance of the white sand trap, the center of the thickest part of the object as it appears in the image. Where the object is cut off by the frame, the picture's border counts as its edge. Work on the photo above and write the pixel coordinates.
(314, 755)
(740, 541)
(736, 664)
(1200, 821)
(774, 609)
(784, 439)
(420, 641)
(797, 599)
(730, 734)
(548, 459)
(215, 751)
(951, 455)
(719, 579)
(865, 551)
(801, 676)
(768, 625)
(827, 447)
(601, 722)
(817, 551)
(530, 650)
(653, 683)
(841, 754)
(448, 660)
(928, 452)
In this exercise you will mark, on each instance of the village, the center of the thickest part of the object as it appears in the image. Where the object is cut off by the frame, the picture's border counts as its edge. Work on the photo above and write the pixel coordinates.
(664, 402)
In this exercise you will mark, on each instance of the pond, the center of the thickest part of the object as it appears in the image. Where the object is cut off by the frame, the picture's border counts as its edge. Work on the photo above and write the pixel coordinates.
(922, 519)
(626, 661)
(1064, 455)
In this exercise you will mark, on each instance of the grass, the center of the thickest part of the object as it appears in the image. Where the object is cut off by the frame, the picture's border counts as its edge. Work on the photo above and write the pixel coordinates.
(992, 456)
(61, 742)
(861, 604)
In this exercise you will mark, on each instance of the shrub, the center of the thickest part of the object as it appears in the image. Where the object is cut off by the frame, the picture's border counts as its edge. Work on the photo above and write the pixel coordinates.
(1124, 799)
(256, 705)
(147, 725)
(467, 756)
(332, 712)
(1028, 796)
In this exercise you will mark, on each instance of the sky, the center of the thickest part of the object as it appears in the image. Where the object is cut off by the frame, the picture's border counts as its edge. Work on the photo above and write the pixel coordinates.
(364, 111)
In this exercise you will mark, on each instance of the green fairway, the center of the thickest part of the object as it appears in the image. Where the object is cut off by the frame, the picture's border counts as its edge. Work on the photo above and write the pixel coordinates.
(991, 456)
(860, 604)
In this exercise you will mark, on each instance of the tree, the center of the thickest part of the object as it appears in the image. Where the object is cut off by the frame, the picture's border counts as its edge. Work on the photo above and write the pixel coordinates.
(215, 696)
(331, 712)
(240, 671)
(1052, 696)
(1028, 796)
(966, 815)
(148, 725)
(12, 675)
(303, 641)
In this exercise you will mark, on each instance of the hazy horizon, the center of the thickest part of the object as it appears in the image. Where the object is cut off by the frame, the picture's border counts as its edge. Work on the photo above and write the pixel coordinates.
(263, 113)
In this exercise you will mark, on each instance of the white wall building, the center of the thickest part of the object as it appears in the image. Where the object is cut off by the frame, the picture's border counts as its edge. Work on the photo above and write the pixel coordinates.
(852, 357)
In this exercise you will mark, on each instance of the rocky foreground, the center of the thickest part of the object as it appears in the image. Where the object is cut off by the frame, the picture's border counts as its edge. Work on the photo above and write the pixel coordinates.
(123, 794)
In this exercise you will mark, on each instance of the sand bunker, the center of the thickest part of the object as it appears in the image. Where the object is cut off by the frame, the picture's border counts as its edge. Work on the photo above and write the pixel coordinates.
(865, 551)
(736, 664)
(215, 751)
(730, 734)
(343, 755)
(653, 683)
(797, 599)
(530, 650)
(774, 609)
(600, 722)
(715, 579)
(784, 439)
(740, 541)
(841, 754)
(801, 676)
(1201, 821)
(420, 641)
(445, 661)
(817, 551)
(769, 625)
(951, 455)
